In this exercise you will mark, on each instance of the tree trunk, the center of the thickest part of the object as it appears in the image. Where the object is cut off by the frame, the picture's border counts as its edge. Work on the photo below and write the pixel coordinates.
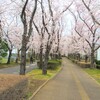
(23, 56)
(18, 56)
(34, 56)
(79, 57)
(45, 65)
(41, 57)
(37, 56)
(9, 56)
(86, 58)
(44, 68)
(93, 54)
(92, 60)
(59, 55)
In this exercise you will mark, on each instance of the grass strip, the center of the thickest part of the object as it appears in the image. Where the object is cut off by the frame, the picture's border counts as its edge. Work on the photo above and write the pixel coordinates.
(95, 73)
(36, 79)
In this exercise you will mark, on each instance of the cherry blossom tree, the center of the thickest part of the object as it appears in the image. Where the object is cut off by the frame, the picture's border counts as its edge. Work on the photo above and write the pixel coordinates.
(27, 31)
(7, 37)
(51, 29)
(93, 9)
(86, 27)
(16, 40)
(46, 29)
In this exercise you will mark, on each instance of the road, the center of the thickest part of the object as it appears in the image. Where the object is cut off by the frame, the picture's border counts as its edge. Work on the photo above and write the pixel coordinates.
(72, 83)
(15, 70)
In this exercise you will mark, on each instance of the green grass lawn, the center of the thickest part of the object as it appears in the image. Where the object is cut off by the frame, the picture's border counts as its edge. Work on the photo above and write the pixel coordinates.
(4, 60)
(95, 73)
(12, 64)
(4, 65)
(36, 79)
(37, 74)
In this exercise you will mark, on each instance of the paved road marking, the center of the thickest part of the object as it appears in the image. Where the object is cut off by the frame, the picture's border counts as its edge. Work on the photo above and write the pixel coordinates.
(82, 92)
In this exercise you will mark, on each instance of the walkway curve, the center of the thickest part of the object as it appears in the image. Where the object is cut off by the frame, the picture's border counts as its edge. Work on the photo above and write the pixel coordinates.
(72, 83)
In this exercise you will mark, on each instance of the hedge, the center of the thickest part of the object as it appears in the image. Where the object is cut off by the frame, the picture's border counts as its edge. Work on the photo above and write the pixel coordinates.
(52, 64)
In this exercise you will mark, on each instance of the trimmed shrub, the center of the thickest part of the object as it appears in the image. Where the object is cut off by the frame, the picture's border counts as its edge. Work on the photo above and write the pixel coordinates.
(97, 62)
(52, 64)
(98, 66)
(81, 64)
(27, 60)
(84, 65)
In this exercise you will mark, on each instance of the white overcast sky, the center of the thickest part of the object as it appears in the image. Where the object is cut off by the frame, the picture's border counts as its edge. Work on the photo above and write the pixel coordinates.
(67, 18)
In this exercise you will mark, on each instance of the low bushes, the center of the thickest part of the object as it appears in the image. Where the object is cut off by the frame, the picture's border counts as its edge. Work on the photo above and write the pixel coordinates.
(97, 62)
(81, 63)
(36, 79)
(13, 87)
(98, 66)
(84, 65)
(52, 64)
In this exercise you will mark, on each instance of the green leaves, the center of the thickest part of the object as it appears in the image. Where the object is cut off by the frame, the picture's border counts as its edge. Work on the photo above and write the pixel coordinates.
(3, 49)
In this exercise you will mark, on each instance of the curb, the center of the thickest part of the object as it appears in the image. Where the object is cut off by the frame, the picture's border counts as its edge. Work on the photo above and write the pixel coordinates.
(44, 84)
(88, 74)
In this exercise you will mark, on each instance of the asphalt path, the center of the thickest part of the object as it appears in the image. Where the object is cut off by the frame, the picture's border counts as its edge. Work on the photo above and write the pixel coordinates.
(15, 70)
(72, 83)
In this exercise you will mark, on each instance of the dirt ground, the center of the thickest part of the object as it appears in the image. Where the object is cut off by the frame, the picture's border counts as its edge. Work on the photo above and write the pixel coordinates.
(33, 86)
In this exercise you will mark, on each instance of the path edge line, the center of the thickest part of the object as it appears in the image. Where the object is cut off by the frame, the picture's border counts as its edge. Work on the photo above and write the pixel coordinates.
(40, 87)
(87, 73)
(91, 77)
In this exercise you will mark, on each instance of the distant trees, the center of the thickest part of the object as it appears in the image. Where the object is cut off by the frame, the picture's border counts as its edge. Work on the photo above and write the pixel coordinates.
(92, 28)
(3, 45)
(3, 49)
(86, 26)
(49, 31)
(39, 27)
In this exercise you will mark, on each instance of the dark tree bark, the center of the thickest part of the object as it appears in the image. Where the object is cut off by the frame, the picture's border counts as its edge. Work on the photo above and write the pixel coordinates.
(79, 57)
(58, 42)
(18, 56)
(46, 58)
(41, 57)
(92, 56)
(9, 56)
(23, 56)
(92, 60)
(26, 34)
(86, 58)
(50, 33)
(33, 55)
(41, 34)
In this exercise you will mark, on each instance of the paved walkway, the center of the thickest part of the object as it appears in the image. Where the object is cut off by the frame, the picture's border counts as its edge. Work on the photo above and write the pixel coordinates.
(16, 69)
(72, 83)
